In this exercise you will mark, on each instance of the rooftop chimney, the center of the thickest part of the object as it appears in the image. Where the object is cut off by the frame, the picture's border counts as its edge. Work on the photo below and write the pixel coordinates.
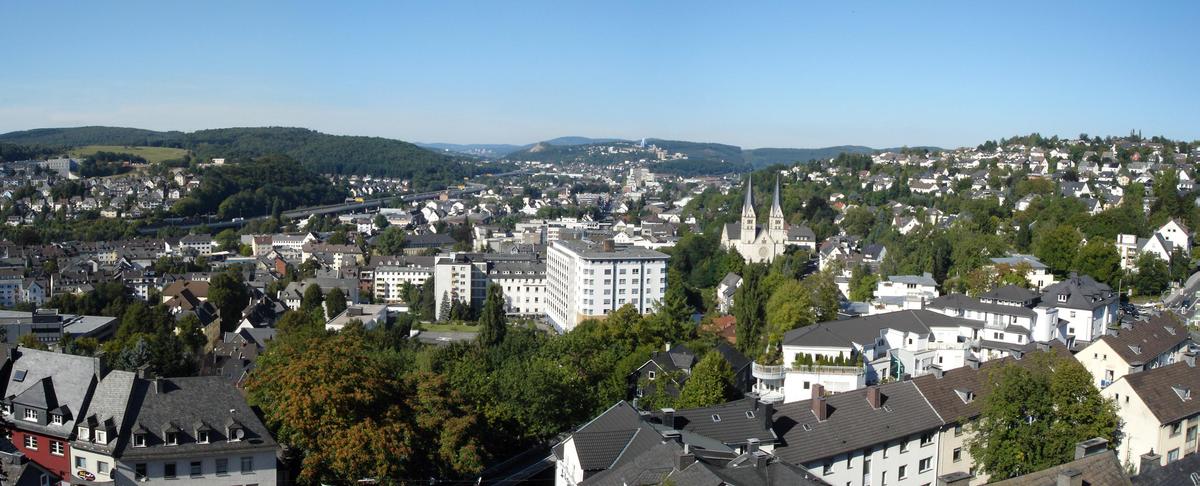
(683, 460)
(874, 397)
(1149, 462)
(608, 246)
(973, 363)
(751, 445)
(1069, 477)
(820, 409)
(1091, 446)
(937, 371)
(669, 417)
(1043, 346)
(1190, 358)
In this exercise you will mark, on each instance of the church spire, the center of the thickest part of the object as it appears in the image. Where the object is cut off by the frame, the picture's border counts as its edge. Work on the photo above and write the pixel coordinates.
(749, 219)
(775, 221)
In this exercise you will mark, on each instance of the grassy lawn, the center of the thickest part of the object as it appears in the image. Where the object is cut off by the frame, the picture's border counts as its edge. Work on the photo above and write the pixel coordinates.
(448, 327)
(151, 154)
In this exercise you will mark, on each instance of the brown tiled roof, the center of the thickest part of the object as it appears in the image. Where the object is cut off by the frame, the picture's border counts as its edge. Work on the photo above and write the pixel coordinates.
(945, 393)
(1147, 339)
(1161, 390)
(176, 288)
(1102, 469)
(724, 327)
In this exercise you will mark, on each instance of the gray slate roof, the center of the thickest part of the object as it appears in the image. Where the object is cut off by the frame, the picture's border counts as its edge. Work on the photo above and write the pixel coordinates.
(866, 329)
(852, 423)
(189, 404)
(1081, 291)
(107, 409)
(52, 381)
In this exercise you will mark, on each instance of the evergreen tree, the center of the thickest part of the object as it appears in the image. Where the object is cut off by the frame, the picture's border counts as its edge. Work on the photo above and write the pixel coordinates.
(312, 299)
(749, 307)
(335, 302)
(227, 292)
(492, 320)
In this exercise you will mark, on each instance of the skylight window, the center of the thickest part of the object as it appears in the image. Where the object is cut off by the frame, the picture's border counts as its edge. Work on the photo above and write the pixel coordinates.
(716, 418)
(19, 375)
(749, 414)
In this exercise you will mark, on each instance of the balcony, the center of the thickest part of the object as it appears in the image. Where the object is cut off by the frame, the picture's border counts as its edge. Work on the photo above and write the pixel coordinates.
(828, 370)
(768, 372)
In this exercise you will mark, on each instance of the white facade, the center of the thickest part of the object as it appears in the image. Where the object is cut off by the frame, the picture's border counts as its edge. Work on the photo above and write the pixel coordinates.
(389, 280)
(911, 461)
(248, 468)
(587, 281)
(523, 294)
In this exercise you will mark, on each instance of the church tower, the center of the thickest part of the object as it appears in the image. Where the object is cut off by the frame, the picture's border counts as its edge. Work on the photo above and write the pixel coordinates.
(749, 219)
(778, 233)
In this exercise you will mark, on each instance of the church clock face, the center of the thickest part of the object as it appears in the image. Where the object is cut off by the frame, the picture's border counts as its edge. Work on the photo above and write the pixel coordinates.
(762, 251)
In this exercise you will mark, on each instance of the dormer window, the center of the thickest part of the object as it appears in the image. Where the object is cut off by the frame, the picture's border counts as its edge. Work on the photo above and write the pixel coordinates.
(236, 434)
(1062, 297)
(202, 436)
(31, 415)
(139, 440)
(101, 437)
(6, 408)
(56, 419)
(172, 438)
(84, 433)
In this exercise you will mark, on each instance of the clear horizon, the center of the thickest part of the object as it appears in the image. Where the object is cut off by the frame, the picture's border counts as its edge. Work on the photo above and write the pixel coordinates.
(778, 75)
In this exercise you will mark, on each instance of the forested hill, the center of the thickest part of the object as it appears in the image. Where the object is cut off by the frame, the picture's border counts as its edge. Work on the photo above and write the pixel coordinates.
(318, 151)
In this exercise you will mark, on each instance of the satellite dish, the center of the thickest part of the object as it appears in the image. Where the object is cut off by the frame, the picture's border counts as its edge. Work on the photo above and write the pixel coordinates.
(239, 434)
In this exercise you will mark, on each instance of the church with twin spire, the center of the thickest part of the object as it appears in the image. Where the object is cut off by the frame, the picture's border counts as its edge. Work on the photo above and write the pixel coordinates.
(762, 244)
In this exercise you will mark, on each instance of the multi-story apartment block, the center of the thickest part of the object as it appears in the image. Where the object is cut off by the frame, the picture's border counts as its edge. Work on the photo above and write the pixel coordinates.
(1134, 347)
(389, 280)
(586, 280)
(524, 286)
(100, 432)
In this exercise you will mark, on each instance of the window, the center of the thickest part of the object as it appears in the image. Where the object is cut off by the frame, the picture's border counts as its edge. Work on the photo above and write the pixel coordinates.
(172, 438)
(102, 467)
(1176, 428)
(31, 442)
(80, 462)
(957, 430)
(31, 415)
(139, 440)
(828, 469)
(903, 447)
(56, 419)
(924, 464)
(222, 467)
(958, 454)
(56, 448)
(902, 473)
(650, 374)
(7, 408)
(247, 465)
(196, 469)
(139, 471)
(1173, 455)
(169, 470)
(926, 439)
(101, 437)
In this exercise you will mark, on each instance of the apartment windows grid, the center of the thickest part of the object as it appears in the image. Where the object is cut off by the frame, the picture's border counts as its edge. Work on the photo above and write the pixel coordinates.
(247, 465)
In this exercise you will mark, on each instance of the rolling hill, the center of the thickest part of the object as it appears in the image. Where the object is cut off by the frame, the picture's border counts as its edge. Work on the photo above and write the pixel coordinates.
(320, 152)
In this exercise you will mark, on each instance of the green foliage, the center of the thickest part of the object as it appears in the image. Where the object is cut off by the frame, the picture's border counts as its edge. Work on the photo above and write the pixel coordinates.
(253, 188)
(31, 341)
(492, 319)
(1057, 247)
(335, 302)
(1152, 276)
(749, 307)
(711, 383)
(390, 241)
(1035, 414)
(1099, 259)
(862, 284)
(228, 293)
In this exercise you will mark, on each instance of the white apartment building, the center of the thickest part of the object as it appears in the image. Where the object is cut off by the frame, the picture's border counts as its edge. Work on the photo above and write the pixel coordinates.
(458, 277)
(524, 286)
(900, 292)
(389, 280)
(587, 280)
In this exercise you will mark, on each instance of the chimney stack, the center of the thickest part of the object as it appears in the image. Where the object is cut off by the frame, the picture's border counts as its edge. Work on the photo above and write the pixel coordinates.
(1069, 477)
(608, 246)
(683, 460)
(1190, 358)
(874, 397)
(973, 363)
(669, 417)
(1149, 462)
(937, 371)
(751, 445)
(1090, 447)
(820, 409)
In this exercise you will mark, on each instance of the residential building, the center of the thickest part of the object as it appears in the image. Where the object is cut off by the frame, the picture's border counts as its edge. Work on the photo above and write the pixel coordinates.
(839, 438)
(585, 280)
(1136, 345)
(370, 315)
(194, 431)
(1085, 307)
(762, 244)
(45, 396)
(524, 286)
(725, 291)
(100, 432)
(1036, 273)
(389, 280)
(1159, 413)
(1094, 465)
(900, 292)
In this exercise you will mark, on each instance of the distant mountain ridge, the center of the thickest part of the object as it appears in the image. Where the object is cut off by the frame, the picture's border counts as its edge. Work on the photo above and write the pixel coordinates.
(321, 152)
(503, 149)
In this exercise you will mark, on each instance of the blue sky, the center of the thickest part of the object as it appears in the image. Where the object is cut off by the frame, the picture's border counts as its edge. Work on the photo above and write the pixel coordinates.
(756, 74)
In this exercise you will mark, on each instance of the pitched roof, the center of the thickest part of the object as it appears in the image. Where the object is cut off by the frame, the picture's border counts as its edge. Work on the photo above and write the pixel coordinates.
(1145, 340)
(1178, 472)
(187, 405)
(1100, 469)
(49, 380)
(731, 423)
(618, 432)
(958, 395)
(866, 329)
(108, 408)
(1080, 291)
(1169, 391)
(852, 423)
